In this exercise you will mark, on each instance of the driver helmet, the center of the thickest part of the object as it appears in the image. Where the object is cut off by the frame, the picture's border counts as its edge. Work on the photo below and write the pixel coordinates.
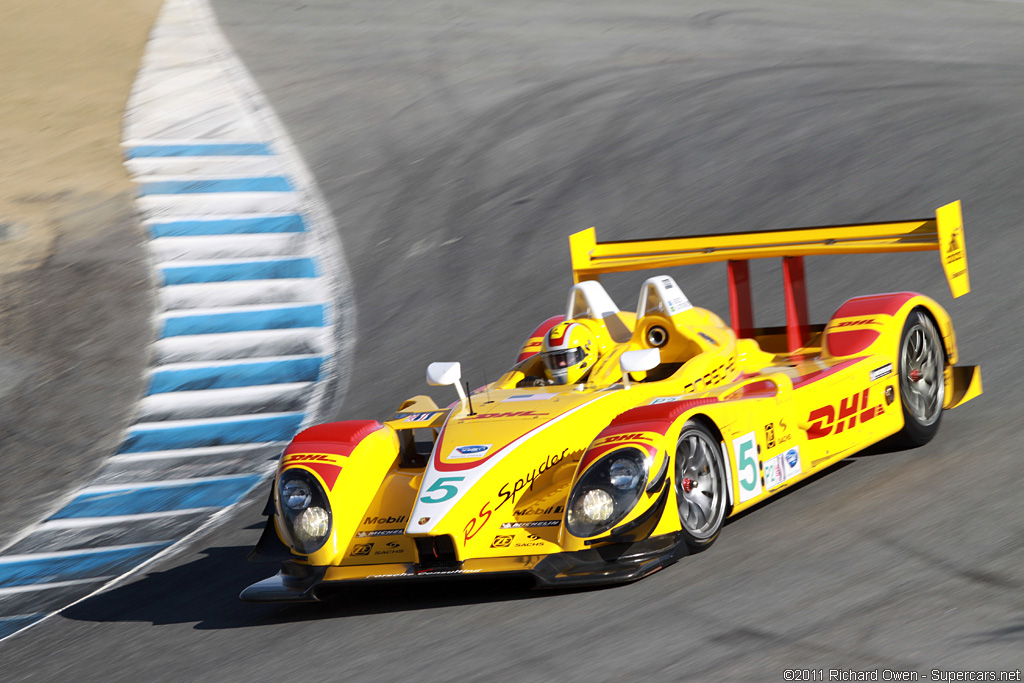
(569, 352)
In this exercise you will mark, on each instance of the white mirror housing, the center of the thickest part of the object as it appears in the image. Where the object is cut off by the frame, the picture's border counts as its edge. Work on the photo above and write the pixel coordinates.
(443, 374)
(639, 360)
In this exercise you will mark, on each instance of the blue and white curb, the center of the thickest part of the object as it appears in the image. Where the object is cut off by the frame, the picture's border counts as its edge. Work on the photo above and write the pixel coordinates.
(254, 323)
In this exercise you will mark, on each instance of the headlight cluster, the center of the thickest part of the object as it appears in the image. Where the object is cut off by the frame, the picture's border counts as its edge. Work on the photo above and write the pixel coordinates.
(304, 509)
(606, 492)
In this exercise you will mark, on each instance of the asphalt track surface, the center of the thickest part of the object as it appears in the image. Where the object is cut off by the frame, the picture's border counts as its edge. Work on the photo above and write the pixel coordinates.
(459, 143)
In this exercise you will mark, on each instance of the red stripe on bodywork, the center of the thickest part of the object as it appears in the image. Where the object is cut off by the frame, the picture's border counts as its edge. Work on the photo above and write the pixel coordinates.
(336, 438)
(877, 304)
(538, 333)
(350, 431)
(849, 342)
(763, 389)
(812, 377)
(658, 413)
(656, 418)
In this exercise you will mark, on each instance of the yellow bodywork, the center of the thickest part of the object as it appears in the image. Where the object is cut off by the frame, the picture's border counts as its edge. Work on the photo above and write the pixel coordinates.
(493, 473)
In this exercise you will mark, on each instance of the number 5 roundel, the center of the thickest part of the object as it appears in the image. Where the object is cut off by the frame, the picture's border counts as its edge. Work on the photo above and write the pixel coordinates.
(748, 474)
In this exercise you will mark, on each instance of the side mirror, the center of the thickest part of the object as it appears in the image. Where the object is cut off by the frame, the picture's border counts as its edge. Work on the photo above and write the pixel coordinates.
(640, 360)
(443, 374)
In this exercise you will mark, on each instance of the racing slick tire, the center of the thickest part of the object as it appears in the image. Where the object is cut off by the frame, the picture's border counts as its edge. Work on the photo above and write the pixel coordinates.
(922, 363)
(699, 486)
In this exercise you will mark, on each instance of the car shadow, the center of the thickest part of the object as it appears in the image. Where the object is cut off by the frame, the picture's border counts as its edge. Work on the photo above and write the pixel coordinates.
(205, 591)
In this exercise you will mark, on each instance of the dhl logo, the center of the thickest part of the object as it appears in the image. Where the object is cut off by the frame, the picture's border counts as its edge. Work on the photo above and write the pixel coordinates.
(825, 420)
(303, 457)
(855, 323)
(519, 413)
(617, 438)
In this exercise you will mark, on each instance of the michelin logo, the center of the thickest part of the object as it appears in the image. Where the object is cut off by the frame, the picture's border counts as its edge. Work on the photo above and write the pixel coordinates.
(476, 451)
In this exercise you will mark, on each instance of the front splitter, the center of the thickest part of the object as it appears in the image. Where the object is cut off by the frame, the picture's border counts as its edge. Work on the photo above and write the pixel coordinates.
(609, 564)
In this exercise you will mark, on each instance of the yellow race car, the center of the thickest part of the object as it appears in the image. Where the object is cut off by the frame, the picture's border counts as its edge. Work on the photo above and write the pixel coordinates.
(620, 442)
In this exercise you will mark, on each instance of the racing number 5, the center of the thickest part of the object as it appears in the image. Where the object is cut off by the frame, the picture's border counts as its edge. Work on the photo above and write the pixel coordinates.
(441, 488)
(745, 449)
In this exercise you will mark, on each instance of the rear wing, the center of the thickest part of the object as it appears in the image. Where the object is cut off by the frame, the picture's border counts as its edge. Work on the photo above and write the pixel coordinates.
(944, 233)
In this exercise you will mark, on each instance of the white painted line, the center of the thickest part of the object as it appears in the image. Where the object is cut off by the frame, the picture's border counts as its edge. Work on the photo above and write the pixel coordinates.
(129, 143)
(176, 424)
(158, 484)
(217, 204)
(183, 263)
(237, 309)
(205, 451)
(219, 216)
(172, 250)
(244, 344)
(248, 293)
(88, 522)
(226, 363)
(222, 402)
(54, 555)
(147, 168)
(32, 587)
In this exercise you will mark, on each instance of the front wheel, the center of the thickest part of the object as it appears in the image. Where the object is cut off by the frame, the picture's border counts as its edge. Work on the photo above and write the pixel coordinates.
(699, 485)
(922, 364)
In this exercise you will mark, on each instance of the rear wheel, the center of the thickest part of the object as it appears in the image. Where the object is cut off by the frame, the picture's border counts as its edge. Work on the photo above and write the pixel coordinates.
(700, 485)
(922, 363)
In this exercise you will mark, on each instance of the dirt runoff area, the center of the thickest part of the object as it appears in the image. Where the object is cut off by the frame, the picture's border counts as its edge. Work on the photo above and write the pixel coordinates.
(75, 290)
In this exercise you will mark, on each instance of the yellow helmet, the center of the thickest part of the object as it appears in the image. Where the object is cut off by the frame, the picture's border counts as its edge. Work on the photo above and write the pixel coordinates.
(569, 352)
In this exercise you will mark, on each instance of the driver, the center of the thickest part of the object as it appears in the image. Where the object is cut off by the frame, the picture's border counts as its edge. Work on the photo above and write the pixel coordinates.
(569, 352)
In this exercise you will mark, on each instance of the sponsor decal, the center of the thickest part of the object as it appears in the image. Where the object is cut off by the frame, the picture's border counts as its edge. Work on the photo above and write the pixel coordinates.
(384, 520)
(855, 323)
(791, 462)
(502, 541)
(514, 414)
(528, 525)
(423, 520)
(881, 372)
(362, 548)
(748, 477)
(666, 399)
(773, 474)
(616, 438)
(391, 548)
(769, 435)
(379, 532)
(509, 491)
(537, 512)
(433, 572)
(712, 377)
(421, 417)
(954, 252)
(832, 419)
(708, 338)
(781, 468)
(528, 397)
(301, 457)
(785, 436)
(477, 451)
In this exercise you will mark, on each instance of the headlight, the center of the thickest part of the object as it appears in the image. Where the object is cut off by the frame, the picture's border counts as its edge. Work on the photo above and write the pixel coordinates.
(304, 511)
(606, 492)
